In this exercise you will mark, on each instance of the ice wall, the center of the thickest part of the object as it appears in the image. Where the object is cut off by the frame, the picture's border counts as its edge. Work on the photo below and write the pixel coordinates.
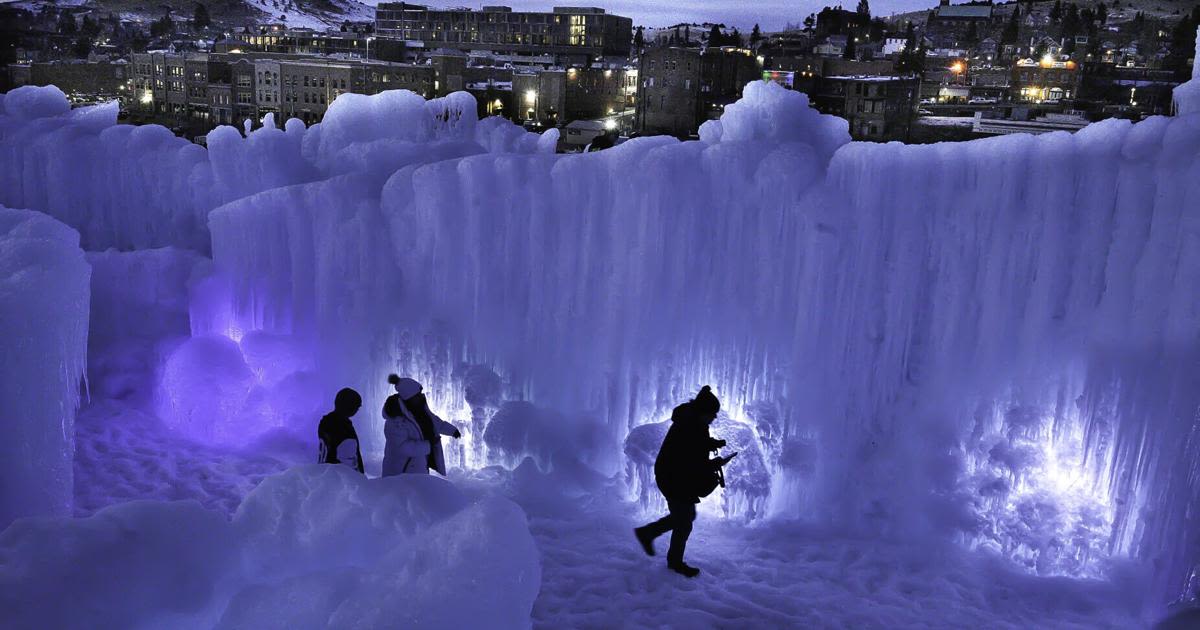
(137, 187)
(986, 340)
(992, 340)
(43, 349)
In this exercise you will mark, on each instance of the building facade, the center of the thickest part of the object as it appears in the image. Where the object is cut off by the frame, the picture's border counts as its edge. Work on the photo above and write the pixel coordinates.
(680, 88)
(571, 34)
(1044, 81)
(878, 108)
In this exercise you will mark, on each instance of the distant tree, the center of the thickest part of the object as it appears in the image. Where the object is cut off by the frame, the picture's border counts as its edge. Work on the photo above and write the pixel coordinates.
(1056, 11)
(809, 22)
(66, 23)
(851, 50)
(877, 30)
(1071, 21)
(89, 27)
(676, 37)
(1183, 42)
(83, 46)
(639, 39)
(1087, 20)
(1102, 13)
(345, 25)
(200, 17)
(864, 8)
(715, 37)
(735, 39)
(162, 26)
(1012, 28)
(687, 34)
(755, 37)
(911, 60)
(138, 42)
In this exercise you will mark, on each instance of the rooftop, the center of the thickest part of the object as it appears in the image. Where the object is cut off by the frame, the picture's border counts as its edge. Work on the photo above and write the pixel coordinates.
(965, 11)
(869, 77)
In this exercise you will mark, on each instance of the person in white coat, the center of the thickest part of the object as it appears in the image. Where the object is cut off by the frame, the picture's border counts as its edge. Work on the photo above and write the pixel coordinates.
(412, 432)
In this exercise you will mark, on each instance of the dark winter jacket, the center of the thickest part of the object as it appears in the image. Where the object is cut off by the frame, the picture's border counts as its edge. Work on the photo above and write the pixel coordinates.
(683, 466)
(334, 431)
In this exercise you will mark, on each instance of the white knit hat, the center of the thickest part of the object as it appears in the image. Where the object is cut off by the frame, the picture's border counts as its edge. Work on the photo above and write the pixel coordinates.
(406, 387)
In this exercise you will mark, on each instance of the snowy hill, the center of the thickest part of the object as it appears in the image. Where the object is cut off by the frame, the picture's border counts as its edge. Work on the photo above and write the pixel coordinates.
(297, 13)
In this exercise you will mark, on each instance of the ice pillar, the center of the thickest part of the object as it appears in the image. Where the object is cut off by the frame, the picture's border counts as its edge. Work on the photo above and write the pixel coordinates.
(44, 297)
(1187, 95)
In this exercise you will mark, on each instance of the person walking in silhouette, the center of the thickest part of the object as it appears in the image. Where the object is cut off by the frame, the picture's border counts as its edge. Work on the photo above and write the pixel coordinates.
(339, 440)
(684, 473)
(412, 431)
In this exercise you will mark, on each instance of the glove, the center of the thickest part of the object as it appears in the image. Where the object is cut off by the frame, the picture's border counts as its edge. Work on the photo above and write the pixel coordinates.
(457, 434)
(719, 444)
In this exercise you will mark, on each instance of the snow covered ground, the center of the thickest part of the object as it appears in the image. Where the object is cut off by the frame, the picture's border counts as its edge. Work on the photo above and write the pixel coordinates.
(595, 576)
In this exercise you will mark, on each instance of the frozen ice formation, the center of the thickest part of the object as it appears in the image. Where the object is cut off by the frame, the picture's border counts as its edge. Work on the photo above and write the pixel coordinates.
(44, 295)
(992, 340)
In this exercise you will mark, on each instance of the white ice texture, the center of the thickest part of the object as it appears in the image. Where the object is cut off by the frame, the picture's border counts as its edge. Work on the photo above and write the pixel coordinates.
(992, 341)
(1187, 95)
(43, 349)
(315, 547)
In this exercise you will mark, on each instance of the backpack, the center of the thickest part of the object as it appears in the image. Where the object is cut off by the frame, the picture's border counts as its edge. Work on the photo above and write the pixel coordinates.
(709, 482)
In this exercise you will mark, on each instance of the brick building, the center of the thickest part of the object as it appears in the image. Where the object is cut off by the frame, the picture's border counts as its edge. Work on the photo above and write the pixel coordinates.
(879, 108)
(1044, 81)
(680, 88)
(573, 35)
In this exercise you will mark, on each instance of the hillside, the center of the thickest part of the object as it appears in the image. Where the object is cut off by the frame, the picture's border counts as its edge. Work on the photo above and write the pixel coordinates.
(316, 14)
(1119, 10)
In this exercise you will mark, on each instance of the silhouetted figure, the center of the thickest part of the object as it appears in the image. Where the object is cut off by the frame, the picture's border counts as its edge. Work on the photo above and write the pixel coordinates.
(412, 432)
(684, 473)
(339, 440)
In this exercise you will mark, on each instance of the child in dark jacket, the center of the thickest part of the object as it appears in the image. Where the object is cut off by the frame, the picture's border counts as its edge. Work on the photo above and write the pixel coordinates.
(339, 440)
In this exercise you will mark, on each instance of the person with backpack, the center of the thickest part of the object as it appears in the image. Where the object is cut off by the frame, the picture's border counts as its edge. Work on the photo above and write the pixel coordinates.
(684, 473)
(412, 432)
(339, 440)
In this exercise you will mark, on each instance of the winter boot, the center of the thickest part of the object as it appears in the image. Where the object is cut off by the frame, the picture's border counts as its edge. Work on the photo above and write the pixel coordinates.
(684, 569)
(645, 539)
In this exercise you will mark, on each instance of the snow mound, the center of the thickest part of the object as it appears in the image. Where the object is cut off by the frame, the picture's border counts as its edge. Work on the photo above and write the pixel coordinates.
(314, 547)
(383, 123)
(44, 296)
(768, 112)
(30, 101)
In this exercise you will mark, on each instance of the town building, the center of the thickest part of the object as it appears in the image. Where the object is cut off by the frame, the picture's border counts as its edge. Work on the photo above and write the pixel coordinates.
(267, 82)
(1047, 80)
(958, 25)
(82, 81)
(879, 108)
(573, 35)
(683, 87)
(306, 41)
